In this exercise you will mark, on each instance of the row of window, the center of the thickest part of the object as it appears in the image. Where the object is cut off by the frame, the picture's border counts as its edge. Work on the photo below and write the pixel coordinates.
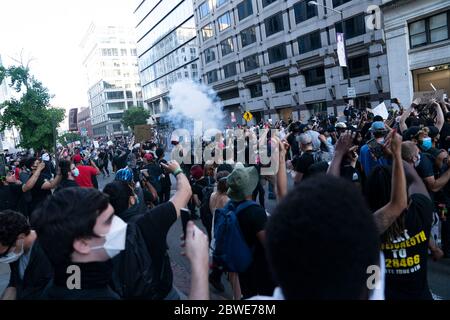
(430, 30)
(354, 27)
(306, 43)
(303, 11)
(359, 66)
(114, 52)
(117, 95)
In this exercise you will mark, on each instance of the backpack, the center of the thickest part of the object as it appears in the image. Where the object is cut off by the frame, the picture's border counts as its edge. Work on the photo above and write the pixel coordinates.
(133, 268)
(230, 248)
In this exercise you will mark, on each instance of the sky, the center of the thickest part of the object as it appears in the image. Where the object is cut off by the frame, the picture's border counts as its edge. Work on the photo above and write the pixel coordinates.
(49, 32)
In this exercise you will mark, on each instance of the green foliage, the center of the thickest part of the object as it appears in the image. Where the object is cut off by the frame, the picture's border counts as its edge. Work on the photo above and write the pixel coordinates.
(69, 137)
(135, 116)
(31, 113)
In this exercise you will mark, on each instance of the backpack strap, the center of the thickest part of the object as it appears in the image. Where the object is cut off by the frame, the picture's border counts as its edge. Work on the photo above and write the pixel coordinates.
(244, 205)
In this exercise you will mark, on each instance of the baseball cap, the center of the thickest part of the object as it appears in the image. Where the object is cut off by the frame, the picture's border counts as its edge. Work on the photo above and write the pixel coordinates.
(77, 158)
(378, 126)
(433, 132)
(411, 133)
(341, 125)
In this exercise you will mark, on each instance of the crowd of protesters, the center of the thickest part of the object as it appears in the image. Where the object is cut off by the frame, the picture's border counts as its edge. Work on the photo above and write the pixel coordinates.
(355, 194)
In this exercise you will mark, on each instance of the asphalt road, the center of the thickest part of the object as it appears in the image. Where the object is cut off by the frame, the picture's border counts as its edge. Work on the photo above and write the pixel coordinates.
(438, 272)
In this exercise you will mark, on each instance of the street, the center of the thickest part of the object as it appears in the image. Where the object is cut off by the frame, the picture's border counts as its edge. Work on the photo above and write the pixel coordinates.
(438, 272)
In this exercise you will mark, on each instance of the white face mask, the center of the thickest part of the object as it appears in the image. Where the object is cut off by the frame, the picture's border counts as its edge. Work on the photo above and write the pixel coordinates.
(115, 238)
(417, 162)
(12, 256)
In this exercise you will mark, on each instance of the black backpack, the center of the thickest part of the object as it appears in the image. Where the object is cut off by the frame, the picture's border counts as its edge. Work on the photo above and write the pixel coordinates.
(133, 269)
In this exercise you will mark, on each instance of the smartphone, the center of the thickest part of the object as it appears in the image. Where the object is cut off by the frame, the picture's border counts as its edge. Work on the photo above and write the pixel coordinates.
(185, 217)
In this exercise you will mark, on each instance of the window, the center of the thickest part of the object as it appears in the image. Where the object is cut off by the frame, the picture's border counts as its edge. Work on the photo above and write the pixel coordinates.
(309, 42)
(418, 33)
(314, 76)
(224, 21)
(221, 2)
(337, 3)
(229, 70)
(116, 106)
(274, 24)
(193, 66)
(227, 46)
(430, 30)
(317, 108)
(251, 62)
(359, 66)
(354, 27)
(129, 95)
(203, 9)
(117, 127)
(134, 52)
(265, 3)
(255, 90)
(115, 116)
(229, 94)
(123, 52)
(245, 9)
(211, 76)
(304, 12)
(207, 32)
(282, 84)
(277, 53)
(210, 55)
(439, 28)
(114, 95)
(248, 36)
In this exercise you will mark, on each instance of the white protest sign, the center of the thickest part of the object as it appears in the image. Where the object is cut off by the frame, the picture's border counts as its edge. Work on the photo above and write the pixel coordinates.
(96, 145)
(381, 110)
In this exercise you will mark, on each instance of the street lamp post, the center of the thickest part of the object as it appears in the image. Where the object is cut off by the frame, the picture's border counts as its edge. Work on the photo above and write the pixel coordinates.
(344, 31)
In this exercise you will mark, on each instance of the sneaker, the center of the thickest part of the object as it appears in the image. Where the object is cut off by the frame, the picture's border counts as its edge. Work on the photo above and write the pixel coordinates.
(217, 284)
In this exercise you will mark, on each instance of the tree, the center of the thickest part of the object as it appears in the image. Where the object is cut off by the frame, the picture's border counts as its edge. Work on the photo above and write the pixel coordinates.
(31, 113)
(135, 116)
(69, 137)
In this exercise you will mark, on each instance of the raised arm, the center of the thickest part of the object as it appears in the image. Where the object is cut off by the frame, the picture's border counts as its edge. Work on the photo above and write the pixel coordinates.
(32, 181)
(343, 145)
(385, 216)
(196, 246)
(184, 192)
(282, 183)
(439, 117)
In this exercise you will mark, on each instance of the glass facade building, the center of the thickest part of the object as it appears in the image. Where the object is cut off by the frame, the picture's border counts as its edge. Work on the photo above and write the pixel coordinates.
(167, 48)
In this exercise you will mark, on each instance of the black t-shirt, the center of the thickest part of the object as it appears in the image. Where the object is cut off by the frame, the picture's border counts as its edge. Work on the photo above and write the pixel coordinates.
(292, 140)
(66, 183)
(165, 182)
(154, 226)
(425, 168)
(257, 279)
(445, 132)
(303, 163)
(10, 196)
(198, 186)
(351, 174)
(38, 195)
(406, 257)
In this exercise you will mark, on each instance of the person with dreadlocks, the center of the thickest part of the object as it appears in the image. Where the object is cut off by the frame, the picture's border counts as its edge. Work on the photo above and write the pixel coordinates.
(403, 214)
